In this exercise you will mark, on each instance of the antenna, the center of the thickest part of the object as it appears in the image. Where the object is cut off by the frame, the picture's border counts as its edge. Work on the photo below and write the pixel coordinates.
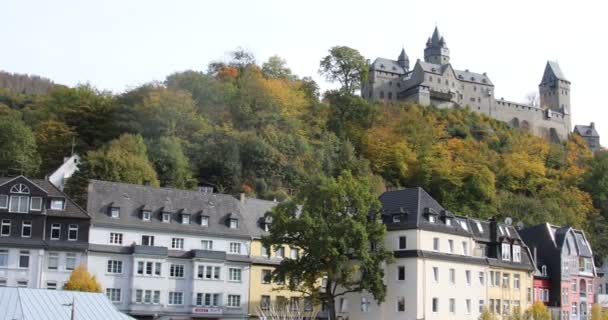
(508, 221)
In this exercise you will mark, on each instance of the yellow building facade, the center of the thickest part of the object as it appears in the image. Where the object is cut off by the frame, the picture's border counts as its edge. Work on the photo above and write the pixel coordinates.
(509, 289)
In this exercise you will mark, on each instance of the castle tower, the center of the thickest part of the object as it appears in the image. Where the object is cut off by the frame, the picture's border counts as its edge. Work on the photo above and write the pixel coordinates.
(436, 50)
(404, 60)
(554, 89)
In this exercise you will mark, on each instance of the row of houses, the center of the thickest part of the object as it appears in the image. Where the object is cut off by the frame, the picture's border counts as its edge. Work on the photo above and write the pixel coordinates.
(162, 253)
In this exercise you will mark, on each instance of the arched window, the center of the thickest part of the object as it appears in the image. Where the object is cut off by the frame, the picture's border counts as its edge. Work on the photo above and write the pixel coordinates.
(515, 122)
(20, 188)
(525, 125)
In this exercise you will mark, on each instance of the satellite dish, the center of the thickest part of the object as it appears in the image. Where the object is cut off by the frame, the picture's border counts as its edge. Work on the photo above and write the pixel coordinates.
(520, 225)
(508, 221)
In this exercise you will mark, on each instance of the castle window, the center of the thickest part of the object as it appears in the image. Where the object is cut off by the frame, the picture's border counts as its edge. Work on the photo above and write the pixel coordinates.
(381, 94)
(390, 96)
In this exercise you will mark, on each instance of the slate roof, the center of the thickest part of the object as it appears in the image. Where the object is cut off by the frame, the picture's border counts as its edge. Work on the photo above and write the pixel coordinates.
(403, 56)
(556, 70)
(72, 210)
(466, 76)
(41, 304)
(387, 65)
(586, 131)
(131, 198)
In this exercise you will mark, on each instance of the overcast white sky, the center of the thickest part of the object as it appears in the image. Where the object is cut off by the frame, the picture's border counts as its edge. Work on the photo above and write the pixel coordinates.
(119, 44)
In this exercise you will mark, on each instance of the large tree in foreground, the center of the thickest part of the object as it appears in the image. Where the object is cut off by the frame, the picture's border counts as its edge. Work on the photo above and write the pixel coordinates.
(346, 66)
(82, 280)
(334, 223)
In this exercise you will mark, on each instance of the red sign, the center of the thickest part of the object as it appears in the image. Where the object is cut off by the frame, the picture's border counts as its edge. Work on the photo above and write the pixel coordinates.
(203, 310)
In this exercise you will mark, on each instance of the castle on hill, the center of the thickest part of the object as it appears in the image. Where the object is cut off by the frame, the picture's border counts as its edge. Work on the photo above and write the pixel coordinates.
(435, 81)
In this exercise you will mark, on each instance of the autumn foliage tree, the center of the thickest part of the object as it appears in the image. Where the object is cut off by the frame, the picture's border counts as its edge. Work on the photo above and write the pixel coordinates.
(81, 280)
(538, 311)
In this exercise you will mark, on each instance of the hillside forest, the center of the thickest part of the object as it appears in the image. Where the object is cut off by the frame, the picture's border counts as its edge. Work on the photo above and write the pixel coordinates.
(246, 127)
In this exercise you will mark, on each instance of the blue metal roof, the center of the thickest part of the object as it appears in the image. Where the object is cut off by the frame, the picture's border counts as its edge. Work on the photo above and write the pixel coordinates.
(41, 304)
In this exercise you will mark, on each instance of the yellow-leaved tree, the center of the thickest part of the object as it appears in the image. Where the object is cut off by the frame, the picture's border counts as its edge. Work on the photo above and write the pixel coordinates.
(82, 280)
(486, 315)
(538, 311)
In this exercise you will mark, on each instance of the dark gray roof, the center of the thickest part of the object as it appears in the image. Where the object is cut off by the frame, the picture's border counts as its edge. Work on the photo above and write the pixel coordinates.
(469, 76)
(586, 131)
(72, 210)
(256, 210)
(387, 65)
(131, 198)
(556, 70)
(403, 56)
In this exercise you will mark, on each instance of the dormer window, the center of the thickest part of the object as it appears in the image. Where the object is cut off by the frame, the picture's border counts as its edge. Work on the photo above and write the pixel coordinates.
(185, 218)
(204, 221)
(543, 270)
(166, 217)
(464, 225)
(267, 227)
(516, 253)
(396, 218)
(506, 252)
(448, 221)
(57, 204)
(146, 215)
(432, 219)
(479, 227)
(233, 223)
(36, 204)
(115, 212)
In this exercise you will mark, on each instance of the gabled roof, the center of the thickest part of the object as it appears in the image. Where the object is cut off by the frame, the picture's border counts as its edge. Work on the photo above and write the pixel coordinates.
(41, 304)
(466, 75)
(403, 56)
(586, 131)
(387, 65)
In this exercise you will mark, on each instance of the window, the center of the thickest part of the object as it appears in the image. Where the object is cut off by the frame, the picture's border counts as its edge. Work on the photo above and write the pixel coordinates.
(396, 218)
(343, 305)
(436, 274)
(176, 271)
(451, 246)
(57, 204)
(543, 270)
(24, 259)
(448, 221)
(115, 238)
(176, 298)
(432, 219)
(482, 278)
(506, 279)
(400, 304)
(235, 247)
(468, 306)
(3, 201)
(401, 273)
(234, 301)
(177, 243)
(481, 305)
(212, 299)
(452, 305)
(185, 219)
(452, 276)
(73, 232)
(114, 266)
(573, 286)
(148, 296)
(234, 274)
(506, 252)
(280, 253)
(70, 261)
(294, 253)
(265, 302)
(207, 244)
(365, 304)
(516, 281)
(497, 279)
(265, 251)
(115, 212)
(529, 294)
(20, 188)
(146, 215)
(5, 229)
(26, 229)
(36, 204)
(3, 257)
(53, 263)
(266, 276)
(435, 244)
(402, 242)
(208, 272)
(435, 305)
(204, 221)
(574, 309)
(516, 253)
(55, 231)
(19, 204)
(166, 217)
(22, 284)
(2, 282)
(234, 223)
(113, 294)
(147, 240)
(465, 248)
(467, 275)
(51, 285)
(308, 304)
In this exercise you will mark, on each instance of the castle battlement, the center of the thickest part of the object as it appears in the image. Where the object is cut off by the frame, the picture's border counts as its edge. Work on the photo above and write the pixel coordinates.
(434, 81)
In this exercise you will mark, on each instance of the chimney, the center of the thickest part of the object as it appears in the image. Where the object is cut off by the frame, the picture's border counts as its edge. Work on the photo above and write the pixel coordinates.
(592, 125)
(147, 183)
(242, 197)
(535, 258)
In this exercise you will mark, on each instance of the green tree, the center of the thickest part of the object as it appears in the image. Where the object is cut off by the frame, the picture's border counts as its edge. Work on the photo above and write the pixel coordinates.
(334, 223)
(172, 165)
(345, 65)
(276, 67)
(538, 311)
(18, 149)
(596, 181)
(54, 140)
(81, 280)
